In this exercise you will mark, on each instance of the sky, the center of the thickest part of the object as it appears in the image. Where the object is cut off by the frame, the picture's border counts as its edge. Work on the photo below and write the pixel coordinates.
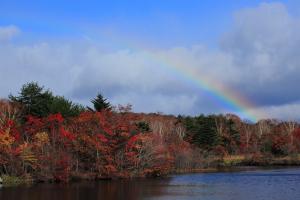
(166, 56)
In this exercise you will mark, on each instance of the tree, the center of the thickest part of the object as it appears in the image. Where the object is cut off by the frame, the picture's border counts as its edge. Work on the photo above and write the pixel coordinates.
(234, 136)
(65, 107)
(143, 126)
(289, 127)
(202, 131)
(100, 103)
(246, 137)
(38, 102)
(8, 112)
(34, 99)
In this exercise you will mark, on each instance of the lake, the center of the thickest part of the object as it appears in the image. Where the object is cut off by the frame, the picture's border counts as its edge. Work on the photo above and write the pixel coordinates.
(271, 184)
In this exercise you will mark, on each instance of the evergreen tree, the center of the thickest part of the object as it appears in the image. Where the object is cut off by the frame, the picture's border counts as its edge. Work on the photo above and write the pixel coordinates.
(234, 133)
(207, 135)
(143, 127)
(100, 103)
(65, 107)
(37, 101)
(202, 131)
(232, 141)
(34, 100)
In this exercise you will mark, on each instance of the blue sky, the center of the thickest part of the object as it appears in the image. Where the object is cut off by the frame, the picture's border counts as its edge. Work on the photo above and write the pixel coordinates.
(160, 23)
(78, 48)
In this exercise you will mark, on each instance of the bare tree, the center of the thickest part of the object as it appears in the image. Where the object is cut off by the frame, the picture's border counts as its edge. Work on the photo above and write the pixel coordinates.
(289, 127)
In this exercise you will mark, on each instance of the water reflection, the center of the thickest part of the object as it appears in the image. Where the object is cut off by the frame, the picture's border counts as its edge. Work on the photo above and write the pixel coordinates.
(259, 185)
(116, 189)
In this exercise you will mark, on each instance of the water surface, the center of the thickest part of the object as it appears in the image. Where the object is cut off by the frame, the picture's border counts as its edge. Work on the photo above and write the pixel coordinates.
(274, 184)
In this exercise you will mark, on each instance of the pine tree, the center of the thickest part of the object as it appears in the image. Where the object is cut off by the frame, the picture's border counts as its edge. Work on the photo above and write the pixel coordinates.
(100, 103)
(34, 100)
(202, 130)
(38, 102)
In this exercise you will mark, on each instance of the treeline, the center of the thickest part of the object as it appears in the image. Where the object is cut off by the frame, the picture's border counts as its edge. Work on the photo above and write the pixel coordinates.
(44, 137)
(49, 138)
(229, 135)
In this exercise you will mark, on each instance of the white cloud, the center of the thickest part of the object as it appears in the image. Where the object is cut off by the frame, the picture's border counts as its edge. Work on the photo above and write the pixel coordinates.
(8, 32)
(262, 39)
(80, 71)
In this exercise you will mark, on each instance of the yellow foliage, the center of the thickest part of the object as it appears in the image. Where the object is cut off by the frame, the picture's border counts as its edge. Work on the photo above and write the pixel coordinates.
(233, 159)
(27, 155)
(6, 139)
(41, 139)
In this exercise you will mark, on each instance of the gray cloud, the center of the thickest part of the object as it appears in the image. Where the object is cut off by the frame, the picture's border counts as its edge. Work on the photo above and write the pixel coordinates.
(258, 57)
(283, 112)
(264, 44)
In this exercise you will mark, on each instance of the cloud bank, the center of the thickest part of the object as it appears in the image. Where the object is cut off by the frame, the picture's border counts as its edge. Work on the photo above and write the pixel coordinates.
(258, 57)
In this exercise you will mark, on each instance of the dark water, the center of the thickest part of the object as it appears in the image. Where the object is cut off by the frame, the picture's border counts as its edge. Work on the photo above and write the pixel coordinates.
(275, 184)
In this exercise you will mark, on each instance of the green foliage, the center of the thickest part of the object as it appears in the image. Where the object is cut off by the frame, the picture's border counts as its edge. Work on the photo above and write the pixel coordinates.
(37, 101)
(207, 132)
(100, 103)
(232, 141)
(143, 127)
(12, 180)
(34, 99)
(65, 107)
(233, 132)
(266, 146)
(202, 130)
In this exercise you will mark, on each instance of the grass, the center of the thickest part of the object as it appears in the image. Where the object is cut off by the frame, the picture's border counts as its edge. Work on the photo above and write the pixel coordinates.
(233, 160)
(9, 181)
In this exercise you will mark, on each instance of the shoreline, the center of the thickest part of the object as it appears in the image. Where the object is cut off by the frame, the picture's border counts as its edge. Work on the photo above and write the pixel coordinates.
(228, 169)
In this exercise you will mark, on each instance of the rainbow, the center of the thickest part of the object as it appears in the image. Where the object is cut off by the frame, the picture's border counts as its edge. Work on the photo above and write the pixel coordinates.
(223, 96)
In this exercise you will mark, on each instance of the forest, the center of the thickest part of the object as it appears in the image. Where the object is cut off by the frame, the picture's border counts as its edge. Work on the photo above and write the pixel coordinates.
(48, 138)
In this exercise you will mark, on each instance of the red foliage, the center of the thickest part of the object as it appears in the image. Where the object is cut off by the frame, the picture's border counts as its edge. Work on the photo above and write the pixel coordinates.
(66, 134)
(33, 125)
(279, 143)
(296, 141)
(62, 169)
(131, 142)
(296, 134)
(55, 118)
(102, 138)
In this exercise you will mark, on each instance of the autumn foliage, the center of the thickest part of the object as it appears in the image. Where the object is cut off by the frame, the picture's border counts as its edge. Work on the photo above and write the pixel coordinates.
(106, 144)
(113, 142)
